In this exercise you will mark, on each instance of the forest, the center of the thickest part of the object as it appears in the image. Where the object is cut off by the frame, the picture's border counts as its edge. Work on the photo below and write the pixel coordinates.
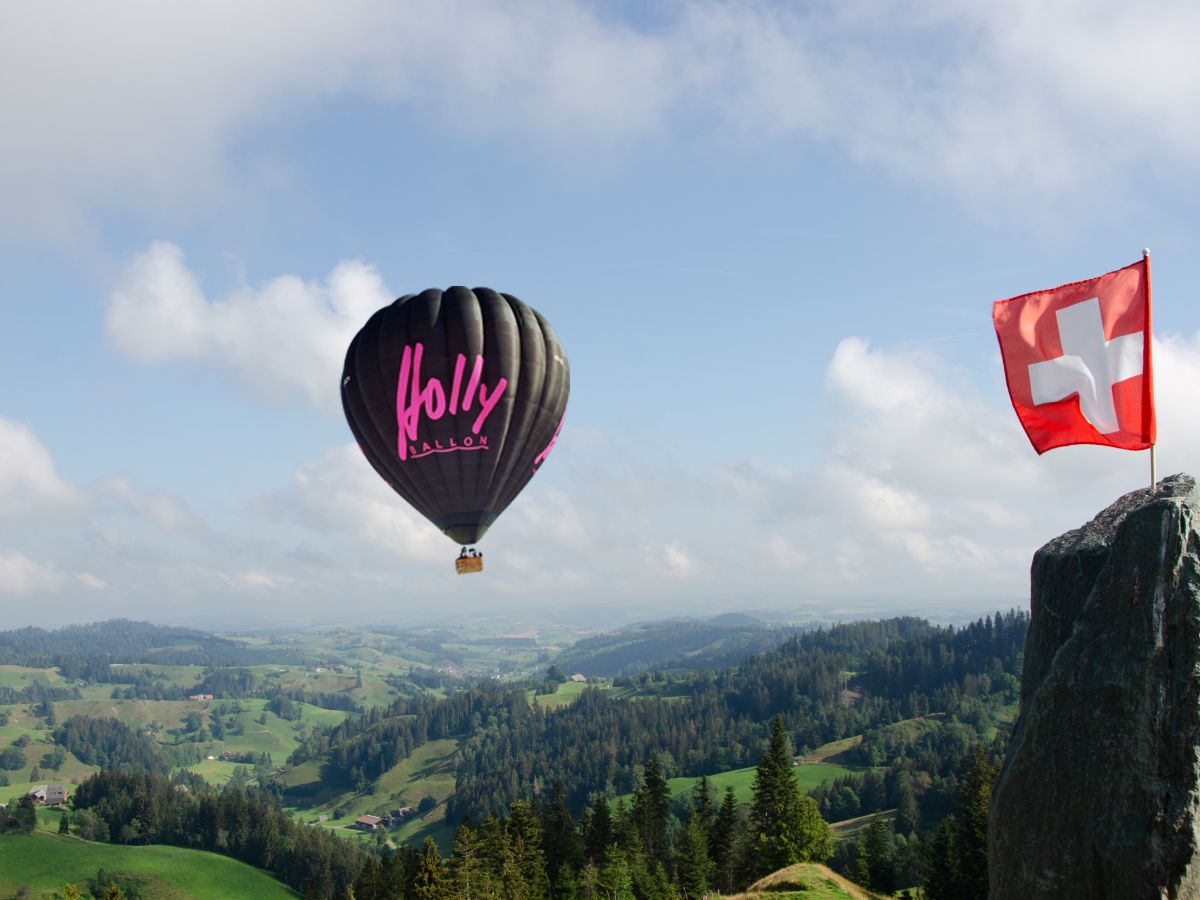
(704, 722)
(572, 800)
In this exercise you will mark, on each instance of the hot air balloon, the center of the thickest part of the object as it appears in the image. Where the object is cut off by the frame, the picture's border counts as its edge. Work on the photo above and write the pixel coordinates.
(456, 397)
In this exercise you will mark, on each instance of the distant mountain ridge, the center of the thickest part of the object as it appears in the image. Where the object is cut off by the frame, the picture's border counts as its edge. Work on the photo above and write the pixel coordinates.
(690, 644)
(72, 647)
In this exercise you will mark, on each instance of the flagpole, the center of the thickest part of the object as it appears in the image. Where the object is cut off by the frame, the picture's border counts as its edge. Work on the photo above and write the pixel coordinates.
(1148, 363)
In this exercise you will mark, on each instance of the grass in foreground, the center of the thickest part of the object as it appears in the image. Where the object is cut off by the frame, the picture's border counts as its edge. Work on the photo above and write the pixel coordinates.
(806, 881)
(45, 862)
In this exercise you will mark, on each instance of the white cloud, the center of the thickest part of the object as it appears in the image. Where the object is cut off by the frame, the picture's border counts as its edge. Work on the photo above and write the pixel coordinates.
(928, 493)
(29, 481)
(22, 576)
(677, 559)
(340, 494)
(1176, 375)
(287, 338)
(161, 509)
(139, 105)
(263, 580)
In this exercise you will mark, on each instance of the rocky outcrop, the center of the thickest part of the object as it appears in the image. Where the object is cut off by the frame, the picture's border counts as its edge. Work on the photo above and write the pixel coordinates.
(1099, 796)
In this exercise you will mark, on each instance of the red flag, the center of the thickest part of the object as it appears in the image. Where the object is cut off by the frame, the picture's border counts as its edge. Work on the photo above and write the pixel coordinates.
(1077, 361)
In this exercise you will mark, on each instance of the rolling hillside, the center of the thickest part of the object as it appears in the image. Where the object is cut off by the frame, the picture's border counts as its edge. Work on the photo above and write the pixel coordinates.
(45, 862)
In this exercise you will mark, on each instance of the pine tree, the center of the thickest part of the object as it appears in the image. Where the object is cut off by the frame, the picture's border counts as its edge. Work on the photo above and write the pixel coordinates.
(531, 860)
(876, 858)
(429, 883)
(970, 839)
(369, 885)
(724, 843)
(788, 827)
(616, 878)
(703, 803)
(495, 847)
(625, 829)
(651, 809)
(64, 824)
(600, 831)
(693, 868)
(908, 813)
(561, 842)
(941, 864)
(469, 875)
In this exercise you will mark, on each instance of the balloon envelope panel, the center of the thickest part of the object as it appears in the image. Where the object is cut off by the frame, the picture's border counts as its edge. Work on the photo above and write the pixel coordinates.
(456, 398)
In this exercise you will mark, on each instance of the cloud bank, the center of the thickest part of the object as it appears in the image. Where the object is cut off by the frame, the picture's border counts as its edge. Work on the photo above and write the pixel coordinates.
(926, 495)
(141, 106)
(286, 339)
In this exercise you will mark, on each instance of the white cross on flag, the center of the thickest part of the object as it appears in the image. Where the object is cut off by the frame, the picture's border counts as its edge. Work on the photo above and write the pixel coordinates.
(1077, 361)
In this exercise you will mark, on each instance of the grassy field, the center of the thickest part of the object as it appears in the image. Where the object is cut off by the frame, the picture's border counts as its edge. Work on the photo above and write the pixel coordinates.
(45, 862)
(19, 677)
(852, 828)
(809, 775)
(566, 694)
(164, 719)
(806, 881)
(414, 832)
(836, 752)
(428, 772)
(183, 676)
(40, 743)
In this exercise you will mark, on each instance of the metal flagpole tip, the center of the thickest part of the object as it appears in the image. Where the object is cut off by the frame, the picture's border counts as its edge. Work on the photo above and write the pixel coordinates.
(1145, 251)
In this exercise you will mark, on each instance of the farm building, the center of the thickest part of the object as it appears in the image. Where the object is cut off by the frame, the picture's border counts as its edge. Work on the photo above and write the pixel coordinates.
(580, 679)
(367, 823)
(200, 696)
(49, 794)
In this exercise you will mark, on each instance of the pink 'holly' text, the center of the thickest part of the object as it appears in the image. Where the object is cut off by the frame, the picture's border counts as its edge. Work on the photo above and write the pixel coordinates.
(414, 400)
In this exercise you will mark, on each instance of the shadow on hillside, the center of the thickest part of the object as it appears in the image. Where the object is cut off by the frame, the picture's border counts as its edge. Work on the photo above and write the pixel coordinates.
(848, 758)
(314, 793)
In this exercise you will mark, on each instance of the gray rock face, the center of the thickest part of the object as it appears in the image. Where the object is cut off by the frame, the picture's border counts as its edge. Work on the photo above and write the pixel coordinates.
(1100, 794)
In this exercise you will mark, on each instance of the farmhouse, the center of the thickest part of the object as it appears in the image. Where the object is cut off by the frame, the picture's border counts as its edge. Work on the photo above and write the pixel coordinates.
(579, 679)
(367, 823)
(49, 794)
(398, 816)
(200, 696)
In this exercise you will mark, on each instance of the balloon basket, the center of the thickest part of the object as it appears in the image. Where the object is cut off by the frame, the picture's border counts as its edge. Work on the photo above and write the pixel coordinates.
(465, 565)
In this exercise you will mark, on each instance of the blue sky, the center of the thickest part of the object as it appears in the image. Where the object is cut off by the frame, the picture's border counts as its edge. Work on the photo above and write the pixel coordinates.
(768, 235)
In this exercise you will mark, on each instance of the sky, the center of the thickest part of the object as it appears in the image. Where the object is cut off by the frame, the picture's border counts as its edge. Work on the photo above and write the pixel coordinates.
(768, 235)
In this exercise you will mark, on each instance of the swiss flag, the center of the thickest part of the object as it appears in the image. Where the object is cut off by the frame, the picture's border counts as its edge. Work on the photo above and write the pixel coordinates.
(1077, 361)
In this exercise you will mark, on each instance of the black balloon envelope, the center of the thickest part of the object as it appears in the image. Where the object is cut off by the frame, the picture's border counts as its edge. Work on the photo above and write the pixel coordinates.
(456, 398)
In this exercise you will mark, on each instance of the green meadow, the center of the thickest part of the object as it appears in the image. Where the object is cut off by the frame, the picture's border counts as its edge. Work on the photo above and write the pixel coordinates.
(808, 775)
(428, 772)
(45, 862)
(18, 677)
(849, 829)
(566, 694)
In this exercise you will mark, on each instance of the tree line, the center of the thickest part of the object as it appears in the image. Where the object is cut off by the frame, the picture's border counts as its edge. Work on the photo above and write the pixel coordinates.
(79, 650)
(246, 823)
(537, 850)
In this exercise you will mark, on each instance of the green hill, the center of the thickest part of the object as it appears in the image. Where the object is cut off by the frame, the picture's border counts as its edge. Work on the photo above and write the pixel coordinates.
(806, 881)
(45, 862)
